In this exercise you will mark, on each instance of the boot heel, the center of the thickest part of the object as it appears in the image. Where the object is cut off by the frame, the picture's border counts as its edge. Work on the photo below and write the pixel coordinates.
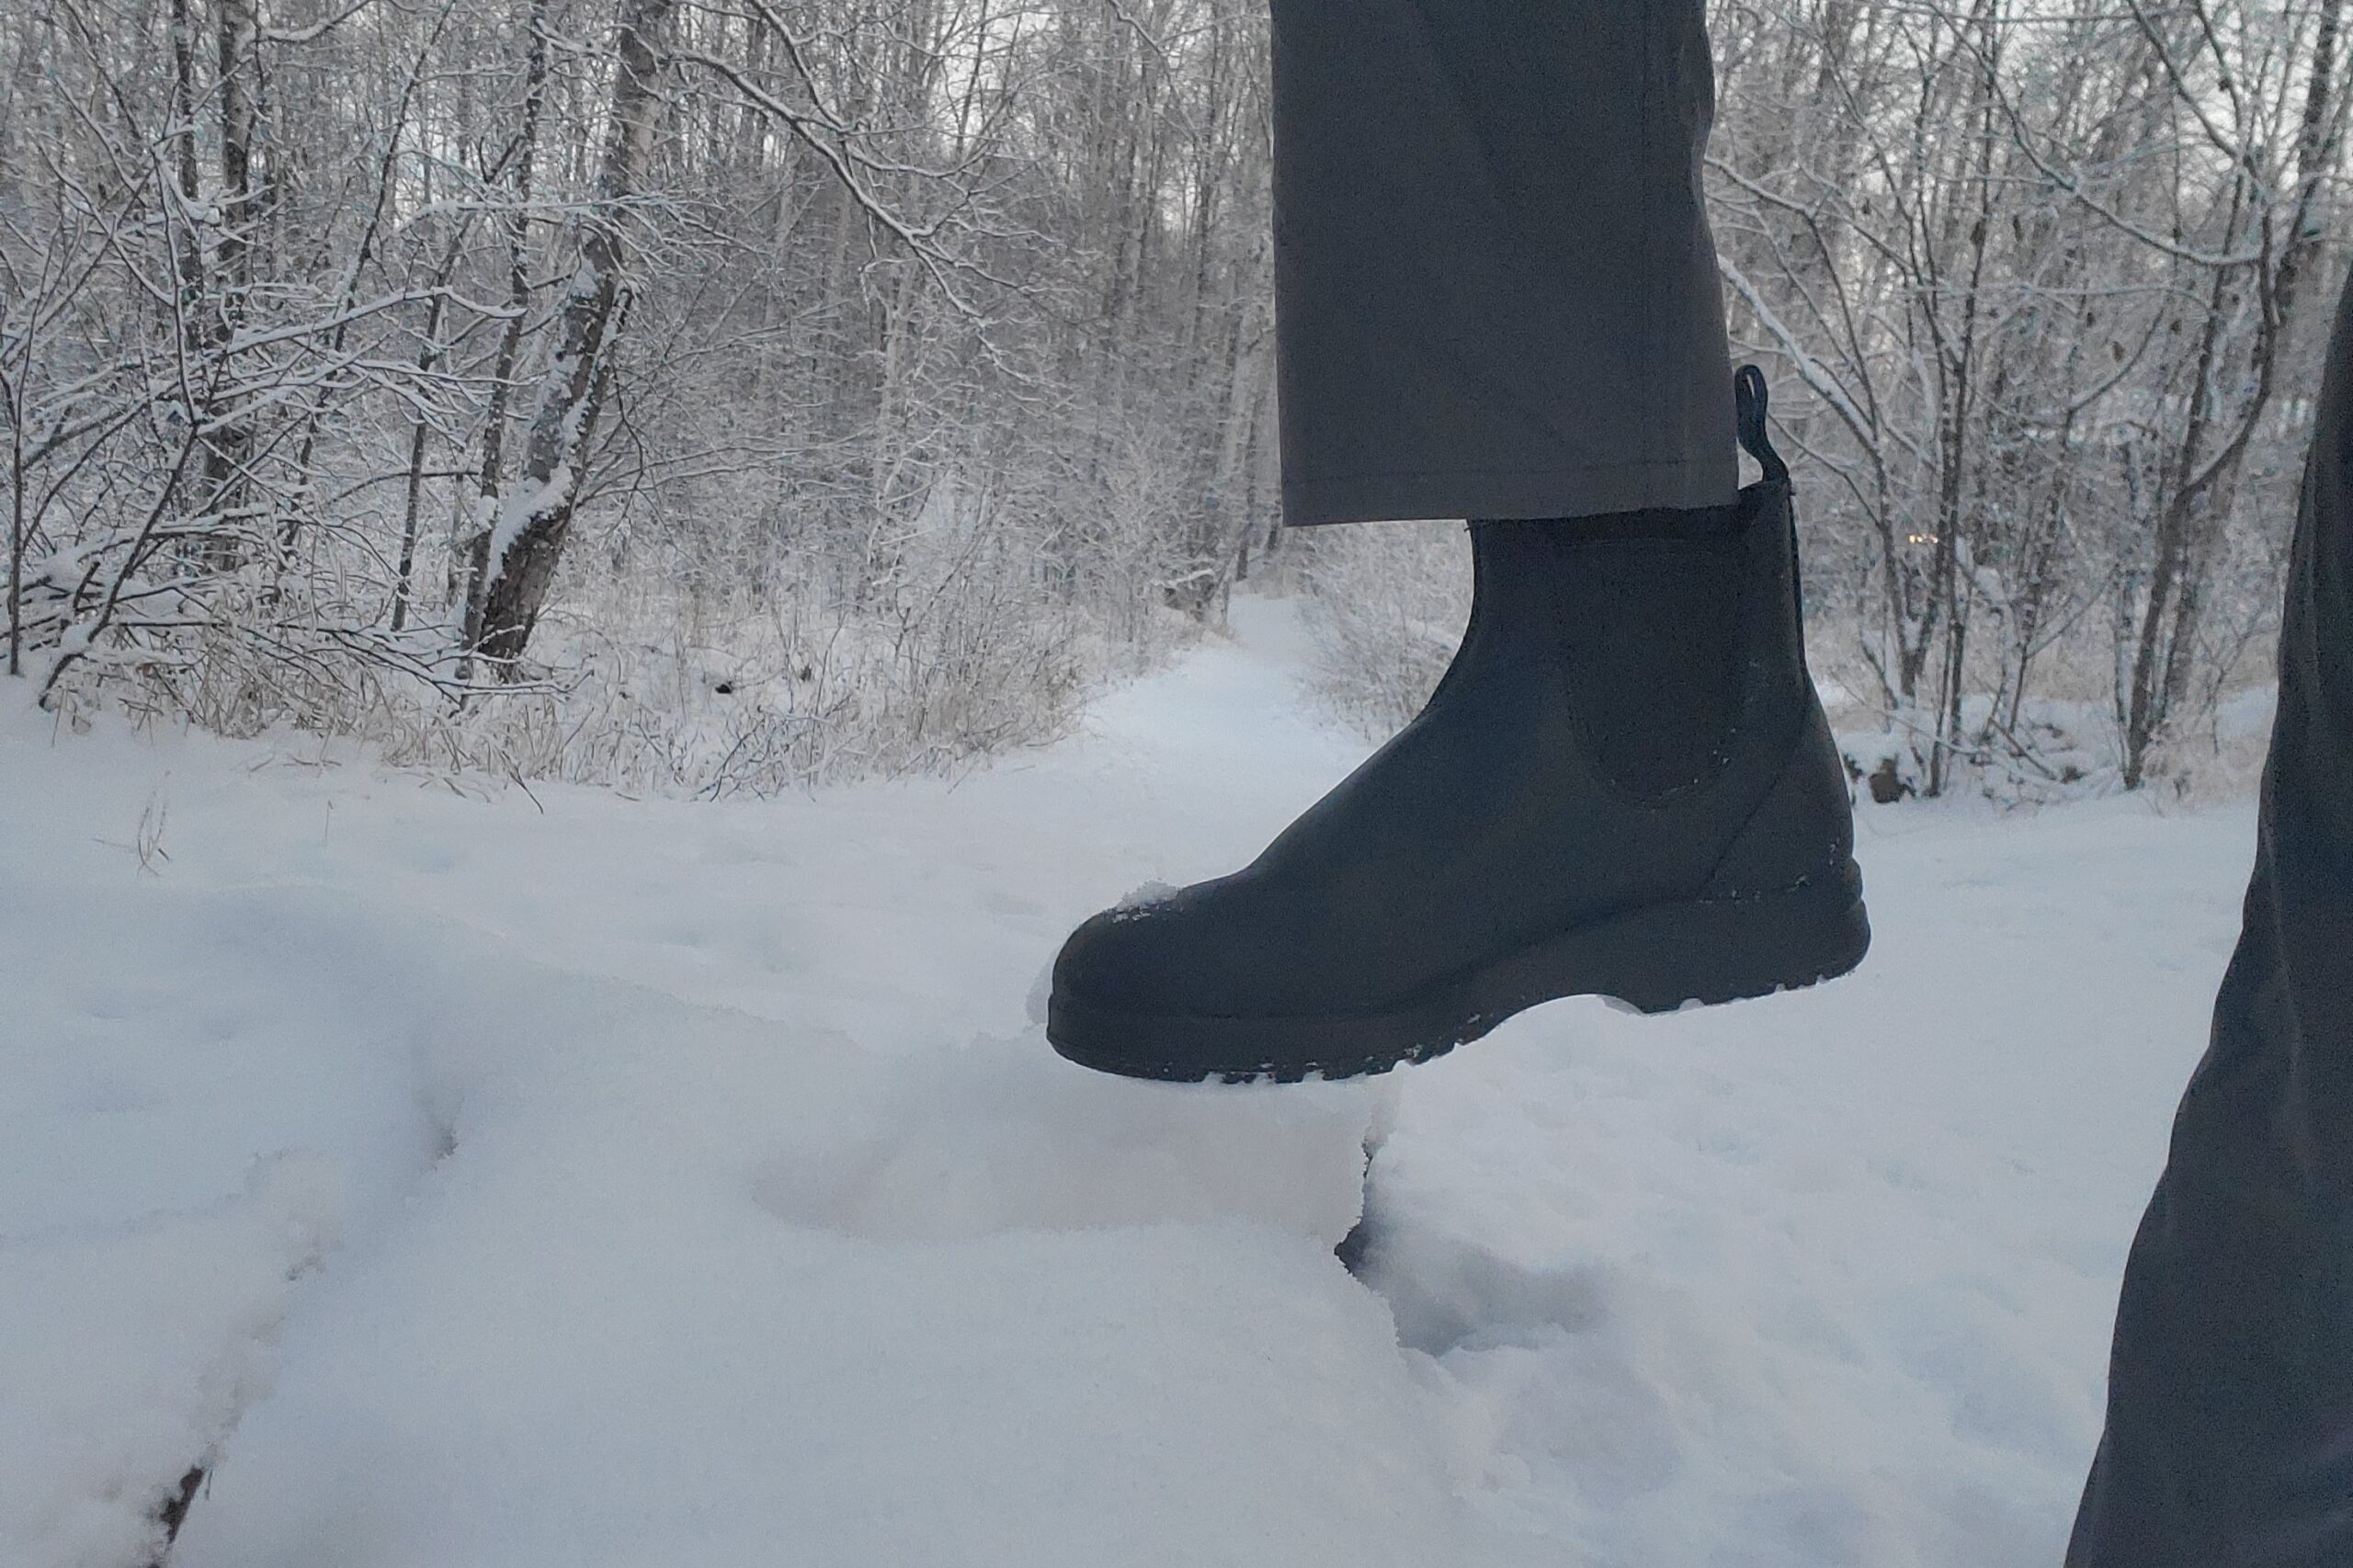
(1731, 949)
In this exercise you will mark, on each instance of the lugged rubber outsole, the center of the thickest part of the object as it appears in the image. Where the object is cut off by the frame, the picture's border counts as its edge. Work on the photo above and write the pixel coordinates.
(1656, 960)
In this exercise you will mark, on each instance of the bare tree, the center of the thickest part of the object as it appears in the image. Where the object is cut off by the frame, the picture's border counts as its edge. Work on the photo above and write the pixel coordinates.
(2026, 261)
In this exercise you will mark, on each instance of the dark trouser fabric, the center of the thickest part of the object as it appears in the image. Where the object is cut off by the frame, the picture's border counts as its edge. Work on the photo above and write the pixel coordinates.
(2230, 1400)
(1495, 291)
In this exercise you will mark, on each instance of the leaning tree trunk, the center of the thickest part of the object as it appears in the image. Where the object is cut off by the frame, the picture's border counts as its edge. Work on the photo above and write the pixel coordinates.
(2188, 529)
(535, 512)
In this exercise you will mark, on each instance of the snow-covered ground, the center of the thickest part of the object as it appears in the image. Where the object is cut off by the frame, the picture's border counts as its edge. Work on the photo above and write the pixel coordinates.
(575, 1181)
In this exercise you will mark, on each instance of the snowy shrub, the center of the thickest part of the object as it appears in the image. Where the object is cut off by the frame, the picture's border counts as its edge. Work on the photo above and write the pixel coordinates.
(715, 699)
(653, 687)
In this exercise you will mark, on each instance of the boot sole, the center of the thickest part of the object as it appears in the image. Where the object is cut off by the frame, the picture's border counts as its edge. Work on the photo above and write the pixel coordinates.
(1658, 960)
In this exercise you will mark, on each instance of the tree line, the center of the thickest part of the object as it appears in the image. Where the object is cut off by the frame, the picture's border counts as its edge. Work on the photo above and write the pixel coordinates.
(860, 377)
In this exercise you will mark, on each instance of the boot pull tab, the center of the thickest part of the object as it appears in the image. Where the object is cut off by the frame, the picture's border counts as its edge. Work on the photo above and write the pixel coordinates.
(1748, 402)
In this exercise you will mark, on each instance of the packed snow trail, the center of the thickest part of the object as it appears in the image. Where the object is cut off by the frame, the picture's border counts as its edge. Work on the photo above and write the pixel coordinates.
(586, 1181)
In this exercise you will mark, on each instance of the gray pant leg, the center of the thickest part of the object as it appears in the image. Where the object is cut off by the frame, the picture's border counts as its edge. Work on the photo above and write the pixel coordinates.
(2230, 1399)
(1497, 293)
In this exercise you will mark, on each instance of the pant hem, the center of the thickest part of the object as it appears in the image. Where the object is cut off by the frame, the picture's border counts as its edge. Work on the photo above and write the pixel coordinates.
(1545, 493)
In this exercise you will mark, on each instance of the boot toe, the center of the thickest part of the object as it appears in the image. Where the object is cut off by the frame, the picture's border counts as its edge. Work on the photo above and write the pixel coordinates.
(1132, 959)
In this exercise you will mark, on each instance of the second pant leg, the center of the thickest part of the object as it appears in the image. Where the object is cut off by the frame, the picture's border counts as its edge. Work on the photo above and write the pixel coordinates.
(2230, 1399)
(1497, 292)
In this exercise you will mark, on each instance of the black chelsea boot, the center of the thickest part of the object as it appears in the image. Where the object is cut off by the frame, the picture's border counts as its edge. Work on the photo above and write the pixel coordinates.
(1623, 787)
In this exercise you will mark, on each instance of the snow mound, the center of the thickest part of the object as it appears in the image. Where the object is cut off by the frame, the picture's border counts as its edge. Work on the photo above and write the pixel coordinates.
(1004, 1137)
(987, 1308)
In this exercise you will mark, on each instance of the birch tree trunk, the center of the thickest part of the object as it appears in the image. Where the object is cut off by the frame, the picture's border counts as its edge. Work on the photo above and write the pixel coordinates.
(473, 544)
(526, 542)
